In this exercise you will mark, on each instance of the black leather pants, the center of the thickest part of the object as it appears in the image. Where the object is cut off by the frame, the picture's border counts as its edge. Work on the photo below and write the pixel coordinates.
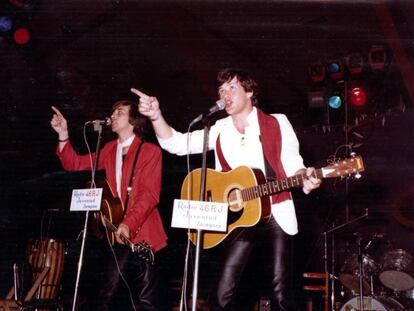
(142, 278)
(238, 248)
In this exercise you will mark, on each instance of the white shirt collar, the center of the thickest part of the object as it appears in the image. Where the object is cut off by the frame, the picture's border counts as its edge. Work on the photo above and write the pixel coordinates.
(127, 142)
(251, 118)
(119, 160)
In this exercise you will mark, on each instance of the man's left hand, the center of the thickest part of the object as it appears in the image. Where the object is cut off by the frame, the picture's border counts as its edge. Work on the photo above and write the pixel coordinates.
(311, 182)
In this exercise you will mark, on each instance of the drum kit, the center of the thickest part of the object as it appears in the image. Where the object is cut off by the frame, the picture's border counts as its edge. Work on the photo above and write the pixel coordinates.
(373, 274)
(385, 281)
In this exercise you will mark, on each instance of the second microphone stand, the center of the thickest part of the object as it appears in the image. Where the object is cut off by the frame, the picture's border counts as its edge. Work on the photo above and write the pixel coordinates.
(202, 197)
(98, 128)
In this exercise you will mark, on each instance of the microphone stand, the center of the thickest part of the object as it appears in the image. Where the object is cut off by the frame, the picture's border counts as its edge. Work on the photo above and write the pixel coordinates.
(98, 128)
(333, 260)
(206, 124)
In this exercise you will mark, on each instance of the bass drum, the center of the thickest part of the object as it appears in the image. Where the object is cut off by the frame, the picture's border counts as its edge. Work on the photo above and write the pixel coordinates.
(349, 275)
(373, 304)
(397, 270)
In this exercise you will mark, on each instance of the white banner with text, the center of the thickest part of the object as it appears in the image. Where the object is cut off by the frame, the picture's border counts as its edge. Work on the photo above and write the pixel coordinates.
(201, 215)
(86, 199)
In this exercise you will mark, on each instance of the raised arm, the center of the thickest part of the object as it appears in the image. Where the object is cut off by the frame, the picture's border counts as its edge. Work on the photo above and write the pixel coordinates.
(60, 125)
(150, 107)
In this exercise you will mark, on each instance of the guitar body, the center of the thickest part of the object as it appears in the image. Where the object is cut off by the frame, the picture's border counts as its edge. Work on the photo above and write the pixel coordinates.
(224, 187)
(111, 208)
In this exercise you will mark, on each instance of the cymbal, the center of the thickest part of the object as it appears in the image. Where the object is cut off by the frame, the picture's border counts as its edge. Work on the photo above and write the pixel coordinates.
(364, 233)
(376, 219)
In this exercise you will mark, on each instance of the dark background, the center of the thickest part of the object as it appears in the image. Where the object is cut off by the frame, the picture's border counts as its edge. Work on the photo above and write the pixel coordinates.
(84, 55)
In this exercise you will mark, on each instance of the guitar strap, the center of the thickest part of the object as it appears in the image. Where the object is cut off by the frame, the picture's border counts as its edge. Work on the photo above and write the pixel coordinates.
(271, 137)
(269, 171)
(225, 167)
(129, 188)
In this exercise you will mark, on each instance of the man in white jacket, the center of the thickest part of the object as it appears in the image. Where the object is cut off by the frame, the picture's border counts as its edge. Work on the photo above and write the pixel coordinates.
(252, 138)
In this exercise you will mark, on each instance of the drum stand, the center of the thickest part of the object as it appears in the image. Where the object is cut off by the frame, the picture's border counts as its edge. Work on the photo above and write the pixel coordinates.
(361, 276)
(332, 275)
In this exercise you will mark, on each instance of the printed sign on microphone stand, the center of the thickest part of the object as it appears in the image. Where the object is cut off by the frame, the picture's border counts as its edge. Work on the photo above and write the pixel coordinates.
(188, 214)
(86, 199)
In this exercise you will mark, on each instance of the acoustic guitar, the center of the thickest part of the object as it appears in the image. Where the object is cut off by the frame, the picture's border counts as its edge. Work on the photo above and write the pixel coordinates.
(105, 223)
(246, 192)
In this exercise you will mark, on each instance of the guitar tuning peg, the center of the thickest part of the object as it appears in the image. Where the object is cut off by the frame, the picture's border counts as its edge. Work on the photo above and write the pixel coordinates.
(352, 154)
(358, 176)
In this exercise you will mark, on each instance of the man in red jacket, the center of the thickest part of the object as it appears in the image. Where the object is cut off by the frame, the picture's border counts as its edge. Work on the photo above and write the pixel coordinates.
(141, 220)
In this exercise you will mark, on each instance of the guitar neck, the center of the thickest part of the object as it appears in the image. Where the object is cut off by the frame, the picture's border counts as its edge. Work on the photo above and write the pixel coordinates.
(277, 186)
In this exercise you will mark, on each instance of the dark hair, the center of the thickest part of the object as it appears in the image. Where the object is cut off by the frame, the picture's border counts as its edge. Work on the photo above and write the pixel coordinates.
(246, 81)
(138, 121)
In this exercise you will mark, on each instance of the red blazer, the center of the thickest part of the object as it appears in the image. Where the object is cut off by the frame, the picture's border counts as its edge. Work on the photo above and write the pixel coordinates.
(142, 216)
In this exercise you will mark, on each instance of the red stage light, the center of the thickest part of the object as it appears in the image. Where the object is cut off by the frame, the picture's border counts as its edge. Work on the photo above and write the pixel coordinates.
(21, 36)
(17, 3)
(316, 72)
(316, 99)
(377, 57)
(354, 62)
(358, 97)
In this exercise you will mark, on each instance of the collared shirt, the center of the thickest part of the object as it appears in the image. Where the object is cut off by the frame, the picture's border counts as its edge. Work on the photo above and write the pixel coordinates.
(246, 149)
(119, 159)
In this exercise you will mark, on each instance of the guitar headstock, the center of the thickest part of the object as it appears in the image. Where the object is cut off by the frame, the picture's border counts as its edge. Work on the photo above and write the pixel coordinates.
(143, 250)
(346, 167)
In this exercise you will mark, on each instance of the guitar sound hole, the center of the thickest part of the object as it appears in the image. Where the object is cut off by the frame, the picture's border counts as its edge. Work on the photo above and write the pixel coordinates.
(235, 200)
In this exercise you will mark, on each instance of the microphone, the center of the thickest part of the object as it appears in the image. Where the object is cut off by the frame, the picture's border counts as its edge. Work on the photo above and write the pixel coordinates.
(219, 105)
(106, 122)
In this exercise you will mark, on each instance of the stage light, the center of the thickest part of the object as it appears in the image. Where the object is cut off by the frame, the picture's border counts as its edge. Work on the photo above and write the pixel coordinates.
(316, 99)
(335, 101)
(17, 3)
(377, 57)
(21, 36)
(335, 69)
(6, 24)
(357, 97)
(354, 62)
(316, 72)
